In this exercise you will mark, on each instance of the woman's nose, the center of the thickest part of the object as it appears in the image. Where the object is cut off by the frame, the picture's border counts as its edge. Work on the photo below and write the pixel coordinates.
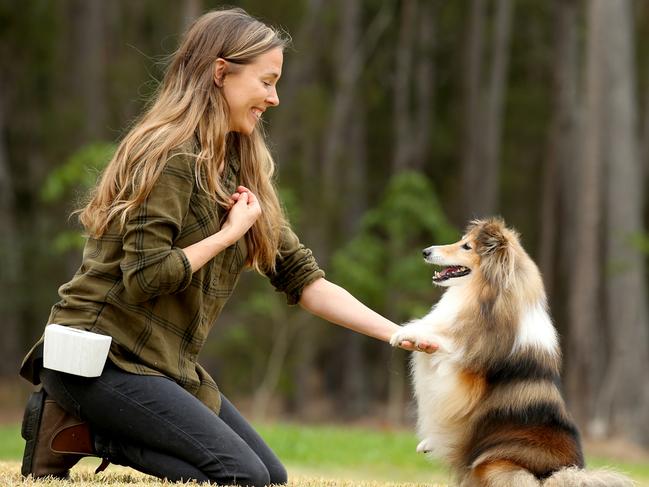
(273, 98)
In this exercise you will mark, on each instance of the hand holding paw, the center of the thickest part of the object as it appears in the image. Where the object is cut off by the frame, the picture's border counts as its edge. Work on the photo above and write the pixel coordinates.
(408, 340)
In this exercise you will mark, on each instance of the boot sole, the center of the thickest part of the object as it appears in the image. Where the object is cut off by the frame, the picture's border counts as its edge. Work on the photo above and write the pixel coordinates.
(29, 429)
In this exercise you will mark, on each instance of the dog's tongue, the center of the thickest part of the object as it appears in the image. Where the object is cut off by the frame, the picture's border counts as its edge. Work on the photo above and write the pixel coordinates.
(449, 270)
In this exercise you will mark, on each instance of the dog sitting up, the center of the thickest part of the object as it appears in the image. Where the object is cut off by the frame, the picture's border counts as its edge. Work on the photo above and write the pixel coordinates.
(488, 400)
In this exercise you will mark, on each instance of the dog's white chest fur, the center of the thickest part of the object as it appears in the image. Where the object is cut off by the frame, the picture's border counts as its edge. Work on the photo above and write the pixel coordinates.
(435, 376)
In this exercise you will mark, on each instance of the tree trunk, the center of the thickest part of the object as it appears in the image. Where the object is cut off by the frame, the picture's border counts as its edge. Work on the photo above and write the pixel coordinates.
(483, 114)
(191, 10)
(302, 145)
(425, 84)
(354, 386)
(354, 398)
(338, 127)
(644, 153)
(91, 68)
(307, 333)
(487, 197)
(473, 113)
(584, 298)
(557, 209)
(403, 149)
(404, 140)
(10, 259)
(285, 331)
(397, 385)
(622, 406)
(355, 50)
(299, 69)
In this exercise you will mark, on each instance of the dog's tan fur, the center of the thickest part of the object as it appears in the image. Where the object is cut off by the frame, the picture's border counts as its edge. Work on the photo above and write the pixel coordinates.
(488, 400)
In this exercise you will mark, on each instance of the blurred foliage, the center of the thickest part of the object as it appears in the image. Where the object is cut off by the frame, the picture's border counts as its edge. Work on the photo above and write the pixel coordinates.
(80, 171)
(76, 176)
(640, 241)
(384, 258)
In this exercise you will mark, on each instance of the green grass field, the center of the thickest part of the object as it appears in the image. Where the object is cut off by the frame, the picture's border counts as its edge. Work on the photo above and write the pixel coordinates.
(316, 456)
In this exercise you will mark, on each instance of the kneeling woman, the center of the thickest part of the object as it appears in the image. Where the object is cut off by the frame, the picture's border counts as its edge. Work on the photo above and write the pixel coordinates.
(184, 205)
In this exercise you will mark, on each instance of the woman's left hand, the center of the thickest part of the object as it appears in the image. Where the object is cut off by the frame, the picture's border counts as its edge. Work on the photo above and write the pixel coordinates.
(243, 211)
(240, 190)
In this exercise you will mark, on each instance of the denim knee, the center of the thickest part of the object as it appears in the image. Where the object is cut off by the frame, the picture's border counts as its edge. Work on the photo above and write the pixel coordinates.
(278, 474)
(258, 476)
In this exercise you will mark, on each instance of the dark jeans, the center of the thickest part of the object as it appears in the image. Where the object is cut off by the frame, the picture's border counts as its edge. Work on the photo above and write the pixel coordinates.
(153, 425)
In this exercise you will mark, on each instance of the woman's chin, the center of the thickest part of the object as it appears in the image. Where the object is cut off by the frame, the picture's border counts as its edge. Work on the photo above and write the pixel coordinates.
(248, 130)
(247, 127)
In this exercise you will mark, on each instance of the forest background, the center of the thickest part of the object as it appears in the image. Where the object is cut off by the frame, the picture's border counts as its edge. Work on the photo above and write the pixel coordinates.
(399, 122)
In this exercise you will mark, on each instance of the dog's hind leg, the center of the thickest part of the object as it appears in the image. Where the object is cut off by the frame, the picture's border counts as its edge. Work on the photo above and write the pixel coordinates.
(500, 473)
(425, 446)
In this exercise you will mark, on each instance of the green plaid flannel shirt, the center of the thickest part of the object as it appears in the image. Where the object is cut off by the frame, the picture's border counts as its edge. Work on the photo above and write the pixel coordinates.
(136, 285)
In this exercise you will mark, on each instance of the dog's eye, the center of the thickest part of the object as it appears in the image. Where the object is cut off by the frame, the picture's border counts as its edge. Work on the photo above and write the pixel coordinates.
(466, 246)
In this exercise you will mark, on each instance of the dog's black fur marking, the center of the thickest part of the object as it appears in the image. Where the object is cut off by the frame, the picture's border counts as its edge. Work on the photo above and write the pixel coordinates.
(522, 368)
(548, 414)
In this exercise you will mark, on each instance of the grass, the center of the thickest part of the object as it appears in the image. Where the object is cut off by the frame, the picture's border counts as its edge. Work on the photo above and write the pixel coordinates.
(120, 477)
(352, 452)
(11, 444)
(316, 456)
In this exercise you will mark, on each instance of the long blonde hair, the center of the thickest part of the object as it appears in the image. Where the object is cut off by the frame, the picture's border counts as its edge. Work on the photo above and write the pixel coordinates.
(189, 104)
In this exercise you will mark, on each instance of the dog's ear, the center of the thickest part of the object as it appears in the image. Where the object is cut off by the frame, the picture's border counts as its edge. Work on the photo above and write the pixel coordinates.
(491, 238)
(497, 254)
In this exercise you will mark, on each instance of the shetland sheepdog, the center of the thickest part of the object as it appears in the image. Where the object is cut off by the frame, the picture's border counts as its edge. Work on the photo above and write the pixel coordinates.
(488, 400)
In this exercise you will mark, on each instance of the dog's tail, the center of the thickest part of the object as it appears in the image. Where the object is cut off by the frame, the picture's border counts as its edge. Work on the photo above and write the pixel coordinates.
(576, 477)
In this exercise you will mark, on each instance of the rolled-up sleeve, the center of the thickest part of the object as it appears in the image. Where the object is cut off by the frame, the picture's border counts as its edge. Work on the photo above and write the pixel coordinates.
(152, 265)
(295, 267)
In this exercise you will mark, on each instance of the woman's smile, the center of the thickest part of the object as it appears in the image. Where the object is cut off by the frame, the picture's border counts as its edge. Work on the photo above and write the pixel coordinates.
(257, 112)
(250, 89)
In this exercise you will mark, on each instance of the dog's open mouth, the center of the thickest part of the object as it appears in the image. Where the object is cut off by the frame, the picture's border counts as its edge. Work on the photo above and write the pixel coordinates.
(451, 272)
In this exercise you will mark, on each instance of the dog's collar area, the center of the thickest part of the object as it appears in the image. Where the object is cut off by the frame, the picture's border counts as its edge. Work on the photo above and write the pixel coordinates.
(451, 272)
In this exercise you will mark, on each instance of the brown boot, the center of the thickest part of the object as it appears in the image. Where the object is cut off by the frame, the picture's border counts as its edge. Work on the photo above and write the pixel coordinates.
(54, 440)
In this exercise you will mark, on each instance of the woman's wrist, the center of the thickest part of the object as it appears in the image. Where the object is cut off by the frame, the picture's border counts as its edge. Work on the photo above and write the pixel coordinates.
(227, 234)
(205, 250)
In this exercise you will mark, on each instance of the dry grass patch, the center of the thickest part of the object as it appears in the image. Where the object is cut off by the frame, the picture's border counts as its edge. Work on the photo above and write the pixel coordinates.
(83, 476)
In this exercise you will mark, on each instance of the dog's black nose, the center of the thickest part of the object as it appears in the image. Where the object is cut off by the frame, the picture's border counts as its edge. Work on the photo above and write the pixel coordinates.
(426, 253)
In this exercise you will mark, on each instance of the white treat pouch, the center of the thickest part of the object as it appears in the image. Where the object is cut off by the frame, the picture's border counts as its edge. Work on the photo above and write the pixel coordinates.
(77, 352)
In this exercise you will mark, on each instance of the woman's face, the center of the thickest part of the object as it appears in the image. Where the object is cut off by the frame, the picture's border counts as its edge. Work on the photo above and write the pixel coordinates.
(250, 89)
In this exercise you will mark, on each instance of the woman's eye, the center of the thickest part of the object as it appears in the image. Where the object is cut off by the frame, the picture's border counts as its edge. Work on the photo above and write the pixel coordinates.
(266, 83)
(466, 246)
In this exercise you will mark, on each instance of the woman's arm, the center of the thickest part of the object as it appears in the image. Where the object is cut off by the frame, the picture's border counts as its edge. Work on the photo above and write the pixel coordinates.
(333, 303)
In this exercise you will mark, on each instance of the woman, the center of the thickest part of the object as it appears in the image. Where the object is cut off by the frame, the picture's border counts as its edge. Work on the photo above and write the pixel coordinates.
(186, 202)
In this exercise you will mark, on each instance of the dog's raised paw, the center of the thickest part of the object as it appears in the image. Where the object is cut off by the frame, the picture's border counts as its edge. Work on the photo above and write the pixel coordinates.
(398, 337)
(414, 336)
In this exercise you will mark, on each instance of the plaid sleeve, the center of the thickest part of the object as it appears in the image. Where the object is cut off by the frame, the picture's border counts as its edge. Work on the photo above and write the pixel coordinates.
(152, 265)
(295, 267)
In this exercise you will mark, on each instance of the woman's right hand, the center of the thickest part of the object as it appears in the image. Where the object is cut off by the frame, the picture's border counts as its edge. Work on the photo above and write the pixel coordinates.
(243, 213)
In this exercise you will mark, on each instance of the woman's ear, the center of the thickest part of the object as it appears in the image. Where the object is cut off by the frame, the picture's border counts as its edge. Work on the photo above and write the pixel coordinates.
(220, 70)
